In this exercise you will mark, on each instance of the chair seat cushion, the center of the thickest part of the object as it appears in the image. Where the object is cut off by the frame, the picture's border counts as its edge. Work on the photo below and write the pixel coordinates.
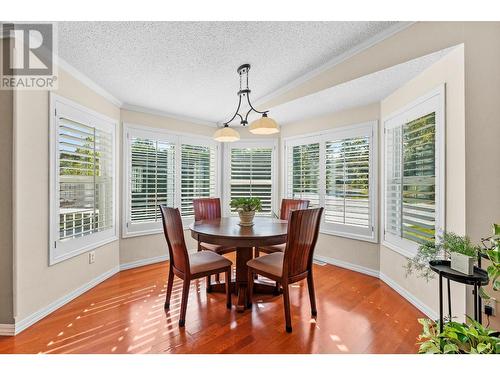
(205, 261)
(271, 263)
(273, 248)
(216, 248)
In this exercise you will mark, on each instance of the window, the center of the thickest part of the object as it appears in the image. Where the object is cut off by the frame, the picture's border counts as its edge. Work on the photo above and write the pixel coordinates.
(83, 186)
(413, 173)
(164, 168)
(151, 179)
(250, 173)
(303, 177)
(337, 170)
(198, 175)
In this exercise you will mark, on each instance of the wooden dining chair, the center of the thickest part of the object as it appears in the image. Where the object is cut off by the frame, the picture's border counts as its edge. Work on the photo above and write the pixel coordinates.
(295, 263)
(208, 209)
(189, 266)
(287, 206)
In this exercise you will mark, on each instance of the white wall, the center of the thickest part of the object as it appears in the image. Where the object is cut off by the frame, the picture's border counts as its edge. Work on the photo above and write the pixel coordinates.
(36, 284)
(450, 71)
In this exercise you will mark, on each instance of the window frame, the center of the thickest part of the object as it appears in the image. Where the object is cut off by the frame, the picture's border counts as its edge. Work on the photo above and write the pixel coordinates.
(368, 128)
(178, 138)
(432, 101)
(249, 143)
(60, 251)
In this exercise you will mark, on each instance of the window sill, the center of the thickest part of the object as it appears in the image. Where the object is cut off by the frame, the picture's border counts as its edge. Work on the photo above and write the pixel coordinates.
(404, 252)
(82, 250)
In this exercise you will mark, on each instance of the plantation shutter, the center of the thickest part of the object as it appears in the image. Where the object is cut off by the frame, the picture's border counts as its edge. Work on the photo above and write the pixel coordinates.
(198, 175)
(152, 178)
(411, 179)
(85, 179)
(419, 179)
(251, 174)
(347, 198)
(303, 173)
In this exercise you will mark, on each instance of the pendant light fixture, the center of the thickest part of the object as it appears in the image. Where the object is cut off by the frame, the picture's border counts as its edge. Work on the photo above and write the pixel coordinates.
(263, 126)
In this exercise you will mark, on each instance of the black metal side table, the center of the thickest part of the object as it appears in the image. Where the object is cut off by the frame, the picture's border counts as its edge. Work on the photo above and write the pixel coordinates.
(479, 278)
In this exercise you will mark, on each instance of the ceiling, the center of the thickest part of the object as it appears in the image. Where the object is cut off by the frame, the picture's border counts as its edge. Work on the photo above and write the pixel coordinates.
(188, 69)
(371, 88)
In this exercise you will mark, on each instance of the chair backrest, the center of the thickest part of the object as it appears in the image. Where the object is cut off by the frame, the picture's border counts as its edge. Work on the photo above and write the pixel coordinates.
(206, 208)
(174, 234)
(303, 228)
(288, 205)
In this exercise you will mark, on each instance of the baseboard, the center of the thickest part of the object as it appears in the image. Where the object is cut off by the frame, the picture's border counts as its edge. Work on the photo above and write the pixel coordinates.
(143, 262)
(42, 313)
(7, 329)
(347, 265)
(409, 297)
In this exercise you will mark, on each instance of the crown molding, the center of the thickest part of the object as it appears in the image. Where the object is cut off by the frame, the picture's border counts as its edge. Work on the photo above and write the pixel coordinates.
(88, 81)
(156, 112)
(370, 42)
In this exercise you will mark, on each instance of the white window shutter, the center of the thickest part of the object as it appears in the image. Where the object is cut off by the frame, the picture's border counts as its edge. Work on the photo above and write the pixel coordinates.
(347, 199)
(198, 175)
(304, 172)
(152, 179)
(251, 174)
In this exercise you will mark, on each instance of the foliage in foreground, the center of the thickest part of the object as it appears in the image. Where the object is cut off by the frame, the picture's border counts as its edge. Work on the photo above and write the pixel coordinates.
(457, 338)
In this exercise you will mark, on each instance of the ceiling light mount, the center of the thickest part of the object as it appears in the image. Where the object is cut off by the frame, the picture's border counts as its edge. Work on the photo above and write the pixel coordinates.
(264, 125)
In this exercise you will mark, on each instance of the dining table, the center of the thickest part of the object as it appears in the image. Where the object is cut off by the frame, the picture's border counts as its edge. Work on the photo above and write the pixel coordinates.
(227, 231)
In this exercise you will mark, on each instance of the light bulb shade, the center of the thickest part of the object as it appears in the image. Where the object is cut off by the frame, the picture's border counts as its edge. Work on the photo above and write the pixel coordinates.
(264, 126)
(226, 134)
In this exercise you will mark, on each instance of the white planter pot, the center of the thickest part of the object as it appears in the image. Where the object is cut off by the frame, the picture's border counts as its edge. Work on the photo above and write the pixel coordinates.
(462, 263)
(246, 218)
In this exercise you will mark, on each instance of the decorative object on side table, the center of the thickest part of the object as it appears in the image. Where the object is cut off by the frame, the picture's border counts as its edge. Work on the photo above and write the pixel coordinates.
(463, 252)
(246, 208)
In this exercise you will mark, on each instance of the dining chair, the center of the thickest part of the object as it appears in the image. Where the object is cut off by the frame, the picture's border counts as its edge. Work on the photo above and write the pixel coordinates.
(287, 206)
(208, 209)
(189, 266)
(295, 263)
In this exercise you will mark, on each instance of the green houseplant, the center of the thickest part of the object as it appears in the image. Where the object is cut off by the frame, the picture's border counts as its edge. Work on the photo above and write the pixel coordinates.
(492, 253)
(457, 338)
(463, 252)
(246, 208)
(449, 245)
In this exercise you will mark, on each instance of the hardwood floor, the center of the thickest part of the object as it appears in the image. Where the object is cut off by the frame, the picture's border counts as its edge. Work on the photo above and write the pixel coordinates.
(124, 314)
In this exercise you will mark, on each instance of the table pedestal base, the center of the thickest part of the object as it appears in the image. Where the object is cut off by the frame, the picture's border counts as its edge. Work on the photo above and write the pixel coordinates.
(259, 287)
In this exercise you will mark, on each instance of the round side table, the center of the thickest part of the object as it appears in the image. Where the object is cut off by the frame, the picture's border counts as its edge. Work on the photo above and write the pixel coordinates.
(479, 278)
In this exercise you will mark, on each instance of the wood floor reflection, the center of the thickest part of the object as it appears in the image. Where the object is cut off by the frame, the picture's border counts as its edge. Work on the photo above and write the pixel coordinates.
(124, 314)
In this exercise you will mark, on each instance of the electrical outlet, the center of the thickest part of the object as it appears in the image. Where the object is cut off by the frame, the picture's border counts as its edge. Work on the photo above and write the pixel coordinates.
(91, 257)
(492, 302)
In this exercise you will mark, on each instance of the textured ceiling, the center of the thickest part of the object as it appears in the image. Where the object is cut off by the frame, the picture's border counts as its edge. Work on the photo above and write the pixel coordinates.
(362, 91)
(189, 68)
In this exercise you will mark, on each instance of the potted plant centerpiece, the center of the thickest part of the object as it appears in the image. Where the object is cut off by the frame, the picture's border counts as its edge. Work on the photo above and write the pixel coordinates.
(246, 208)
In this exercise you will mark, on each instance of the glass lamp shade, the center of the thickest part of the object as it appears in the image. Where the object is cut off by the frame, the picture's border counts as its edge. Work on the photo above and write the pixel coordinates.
(226, 134)
(264, 126)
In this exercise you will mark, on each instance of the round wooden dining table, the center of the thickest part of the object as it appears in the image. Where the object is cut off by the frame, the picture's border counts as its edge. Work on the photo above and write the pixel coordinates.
(226, 231)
